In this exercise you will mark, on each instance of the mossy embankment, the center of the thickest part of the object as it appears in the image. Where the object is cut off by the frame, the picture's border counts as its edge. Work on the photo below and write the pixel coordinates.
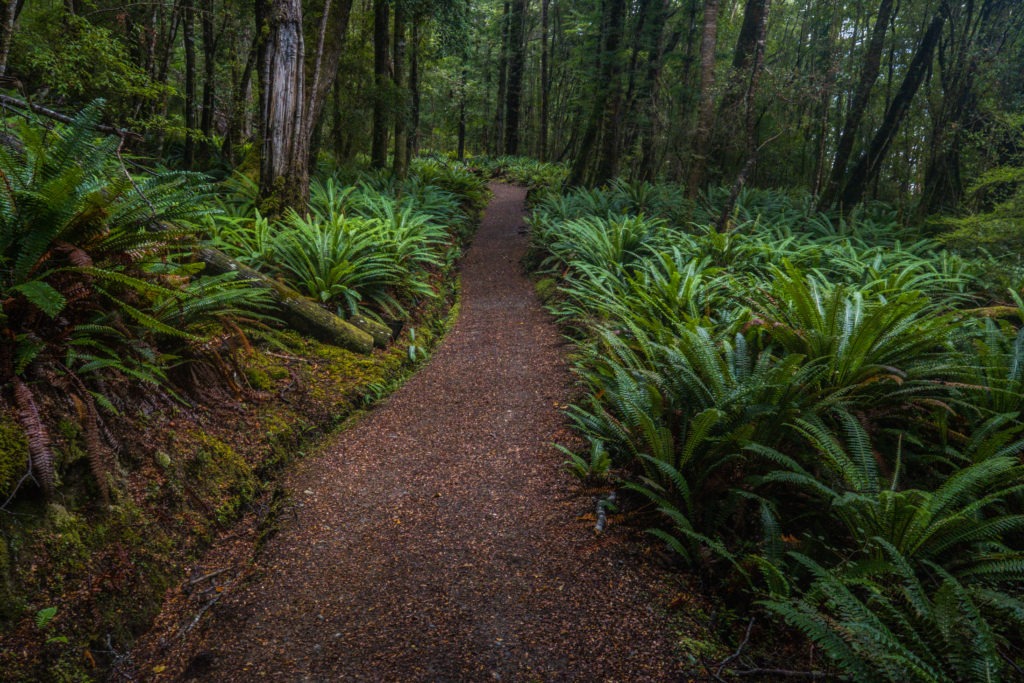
(188, 474)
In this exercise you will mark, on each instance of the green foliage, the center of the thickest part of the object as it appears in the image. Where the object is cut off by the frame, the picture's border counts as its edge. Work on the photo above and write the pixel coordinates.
(885, 622)
(374, 246)
(96, 280)
(14, 454)
(810, 380)
(80, 60)
(595, 468)
(538, 176)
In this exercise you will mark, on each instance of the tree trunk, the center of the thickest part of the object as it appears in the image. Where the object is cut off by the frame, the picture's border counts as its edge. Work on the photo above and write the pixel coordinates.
(210, 40)
(755, 17)
(337, 131)
(870, 164)
(413, 139)
(10, 15)
(163, 65)
(545, 79)
(240, 103)
(499, 116)
(861, 96)
(611, 118)
(516, 65)
(382, 77)
(605, 107)
(188, 21)
(658, 47)
(756, 61)
(960, 59)
(462, 114)
(400, 164)
(702, 135)
(329, 51)
(331, 41)
(284, 153)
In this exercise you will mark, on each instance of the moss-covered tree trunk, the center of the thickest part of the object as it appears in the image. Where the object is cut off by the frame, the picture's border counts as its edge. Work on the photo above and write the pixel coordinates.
(284, 175)
(302, 314)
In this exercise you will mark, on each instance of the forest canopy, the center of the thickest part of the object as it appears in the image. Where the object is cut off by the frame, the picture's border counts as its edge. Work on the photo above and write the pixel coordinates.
(916, 103)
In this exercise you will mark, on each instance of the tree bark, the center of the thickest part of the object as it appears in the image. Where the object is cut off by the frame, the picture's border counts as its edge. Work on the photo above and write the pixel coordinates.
(462, 114)
(702, 135)
(605, 107)
(658, 47)
(413, 138)
(516, 65)
(961, 58)
(10, 15)
(210, 40)
(499, 116)
(755, 61)
(611, 118)
(400, 165)
(284, 172)
(755, 16)
(240, 103)
(545, 80)
(870, 164)
(861, 96)
(382, 76)
(331, 43)
(188, 24)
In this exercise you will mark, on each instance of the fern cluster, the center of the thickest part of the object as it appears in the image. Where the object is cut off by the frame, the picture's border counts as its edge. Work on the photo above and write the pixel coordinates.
(369, 247)
(538, 176)
(828, 407)
(99, 294)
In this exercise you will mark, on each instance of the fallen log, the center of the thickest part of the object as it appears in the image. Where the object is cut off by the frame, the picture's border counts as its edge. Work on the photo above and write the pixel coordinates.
(295, 310)
(380, 332)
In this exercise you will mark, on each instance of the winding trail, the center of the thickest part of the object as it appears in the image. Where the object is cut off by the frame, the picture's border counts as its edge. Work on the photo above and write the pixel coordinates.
(438, 541)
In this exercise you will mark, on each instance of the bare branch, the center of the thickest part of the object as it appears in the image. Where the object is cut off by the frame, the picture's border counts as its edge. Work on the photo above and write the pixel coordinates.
(8, 101)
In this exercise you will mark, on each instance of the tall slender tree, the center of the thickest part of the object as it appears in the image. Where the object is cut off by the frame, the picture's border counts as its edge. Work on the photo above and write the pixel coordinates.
(702, 134)
(516, 66)
(400, 163)
(381, 80)
(868, 166)
(545, 79)
(861, 95)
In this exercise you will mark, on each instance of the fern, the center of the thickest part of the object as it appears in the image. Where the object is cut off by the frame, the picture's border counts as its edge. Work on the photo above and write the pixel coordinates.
(41, 455)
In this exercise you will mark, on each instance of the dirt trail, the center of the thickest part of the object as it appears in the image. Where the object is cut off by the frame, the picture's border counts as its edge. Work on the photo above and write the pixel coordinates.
(438, 541)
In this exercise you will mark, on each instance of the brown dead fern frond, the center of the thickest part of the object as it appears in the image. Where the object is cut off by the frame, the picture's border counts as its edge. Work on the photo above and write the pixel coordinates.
(41, 455)
(76, 255)
(237, 339)
(99, 454)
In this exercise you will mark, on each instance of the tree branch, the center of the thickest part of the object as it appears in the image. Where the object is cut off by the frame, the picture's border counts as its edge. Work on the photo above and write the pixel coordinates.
(8, 101)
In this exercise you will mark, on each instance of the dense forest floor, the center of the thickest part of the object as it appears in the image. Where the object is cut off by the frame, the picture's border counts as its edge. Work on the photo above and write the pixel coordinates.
(436, 540)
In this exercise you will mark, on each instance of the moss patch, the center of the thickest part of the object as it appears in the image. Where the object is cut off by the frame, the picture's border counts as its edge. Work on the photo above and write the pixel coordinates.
(546, 288)
(13, 453)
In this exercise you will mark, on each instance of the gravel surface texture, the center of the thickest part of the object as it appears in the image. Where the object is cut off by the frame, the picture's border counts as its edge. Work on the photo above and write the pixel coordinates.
(439, 539)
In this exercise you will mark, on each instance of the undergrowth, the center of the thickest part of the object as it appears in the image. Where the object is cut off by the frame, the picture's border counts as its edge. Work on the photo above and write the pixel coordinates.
(146, 406)
(821, 412)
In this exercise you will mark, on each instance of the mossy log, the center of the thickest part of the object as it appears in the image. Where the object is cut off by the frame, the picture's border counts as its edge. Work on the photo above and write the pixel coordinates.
(297, 311)
(381, 333)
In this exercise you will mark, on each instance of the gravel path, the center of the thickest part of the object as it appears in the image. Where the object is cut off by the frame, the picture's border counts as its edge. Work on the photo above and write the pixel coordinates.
(438, 540)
